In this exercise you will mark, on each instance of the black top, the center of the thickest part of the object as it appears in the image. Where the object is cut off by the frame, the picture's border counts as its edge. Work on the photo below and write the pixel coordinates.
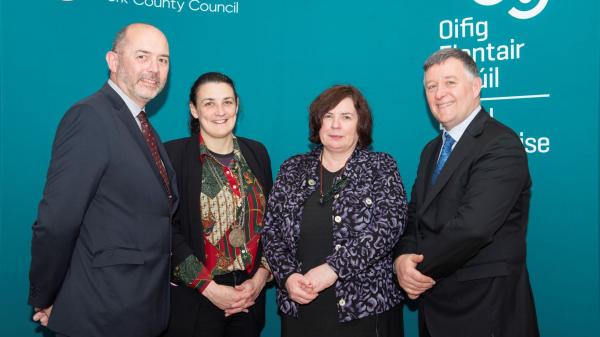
(224, 159)
(315, 244)
(316, 229)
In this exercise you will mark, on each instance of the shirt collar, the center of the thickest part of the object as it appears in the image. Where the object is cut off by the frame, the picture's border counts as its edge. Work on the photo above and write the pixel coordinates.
(461, 127)
(133, 108)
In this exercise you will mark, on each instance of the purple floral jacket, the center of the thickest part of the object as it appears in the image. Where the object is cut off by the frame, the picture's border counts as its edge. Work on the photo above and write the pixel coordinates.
(369, 218)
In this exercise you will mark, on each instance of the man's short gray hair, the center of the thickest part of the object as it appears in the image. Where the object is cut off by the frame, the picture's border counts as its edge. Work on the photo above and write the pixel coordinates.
(442, 55)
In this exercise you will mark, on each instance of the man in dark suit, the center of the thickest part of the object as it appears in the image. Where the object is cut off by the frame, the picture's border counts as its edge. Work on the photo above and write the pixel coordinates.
(463, 252)
(100, 249)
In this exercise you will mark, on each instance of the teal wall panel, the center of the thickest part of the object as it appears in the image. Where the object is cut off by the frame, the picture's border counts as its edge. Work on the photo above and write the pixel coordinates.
(282, 54)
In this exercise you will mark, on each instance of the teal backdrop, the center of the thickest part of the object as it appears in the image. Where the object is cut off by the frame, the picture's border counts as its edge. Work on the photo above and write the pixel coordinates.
(539, 59)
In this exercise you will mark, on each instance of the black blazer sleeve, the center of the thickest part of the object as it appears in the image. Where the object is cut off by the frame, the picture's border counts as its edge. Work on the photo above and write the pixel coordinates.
(179, 243)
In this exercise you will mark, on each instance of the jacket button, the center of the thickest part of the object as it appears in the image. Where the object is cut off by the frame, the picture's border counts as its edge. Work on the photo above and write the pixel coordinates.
(311, 182)
(342, 302)
(337, 219)
(337, 195)
(337, 247)
(368, 201)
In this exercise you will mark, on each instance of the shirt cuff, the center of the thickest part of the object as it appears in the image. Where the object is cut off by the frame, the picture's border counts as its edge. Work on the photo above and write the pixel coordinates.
(193, 273)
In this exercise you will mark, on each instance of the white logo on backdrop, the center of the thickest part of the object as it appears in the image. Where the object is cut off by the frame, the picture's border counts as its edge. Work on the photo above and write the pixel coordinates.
(475, 36)
(179, 6)
(517, 13)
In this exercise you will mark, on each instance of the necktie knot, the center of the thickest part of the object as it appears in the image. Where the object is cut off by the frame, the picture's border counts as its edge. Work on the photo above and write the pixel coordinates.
(142, 117)
(448, 140)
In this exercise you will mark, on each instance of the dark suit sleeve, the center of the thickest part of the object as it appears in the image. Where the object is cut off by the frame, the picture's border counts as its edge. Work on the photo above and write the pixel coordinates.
(408, 243)
(79, 156)
(496, 179)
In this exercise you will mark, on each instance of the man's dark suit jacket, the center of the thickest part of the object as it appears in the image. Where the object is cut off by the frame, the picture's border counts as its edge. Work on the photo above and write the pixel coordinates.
(470, 226)
(101, 243)
(188, 237)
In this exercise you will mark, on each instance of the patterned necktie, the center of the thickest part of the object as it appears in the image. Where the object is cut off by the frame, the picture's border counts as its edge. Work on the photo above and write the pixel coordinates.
(151, 140)
(446, 149)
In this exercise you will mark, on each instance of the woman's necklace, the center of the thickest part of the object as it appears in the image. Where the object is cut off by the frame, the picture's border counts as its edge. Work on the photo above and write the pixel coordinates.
(337, 184)
(237, 235)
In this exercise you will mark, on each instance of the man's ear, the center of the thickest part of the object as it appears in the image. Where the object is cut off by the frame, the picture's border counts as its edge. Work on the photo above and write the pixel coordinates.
(112, 59)
(477, 86)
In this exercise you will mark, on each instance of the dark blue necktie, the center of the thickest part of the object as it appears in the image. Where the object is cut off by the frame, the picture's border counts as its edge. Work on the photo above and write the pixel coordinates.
(446, 149)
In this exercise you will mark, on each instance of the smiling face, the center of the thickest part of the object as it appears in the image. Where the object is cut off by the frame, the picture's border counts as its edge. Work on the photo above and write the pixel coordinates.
(139, 65)
(216, 109)
(452, 92)
(338, 132)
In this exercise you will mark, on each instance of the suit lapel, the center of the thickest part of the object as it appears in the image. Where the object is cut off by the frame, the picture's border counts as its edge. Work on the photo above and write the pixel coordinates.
(170, 173)
(463, 148)
(130, 124)
(431, 154)
(164, 157)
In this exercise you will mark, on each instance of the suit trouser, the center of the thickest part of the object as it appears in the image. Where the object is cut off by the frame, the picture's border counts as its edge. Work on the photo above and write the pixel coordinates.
(423, 331)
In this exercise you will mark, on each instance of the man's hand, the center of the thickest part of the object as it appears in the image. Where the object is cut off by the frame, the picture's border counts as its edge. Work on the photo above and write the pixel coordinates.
(321, 277)
(410, 279)
(42, 315)
(300, 289)
(249, 290)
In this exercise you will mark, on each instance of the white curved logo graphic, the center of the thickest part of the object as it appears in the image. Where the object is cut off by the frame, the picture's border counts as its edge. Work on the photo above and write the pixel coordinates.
(488, 2)
(516, 13)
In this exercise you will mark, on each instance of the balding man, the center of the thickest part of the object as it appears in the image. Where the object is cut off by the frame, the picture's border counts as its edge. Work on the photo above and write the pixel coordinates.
(101, 243)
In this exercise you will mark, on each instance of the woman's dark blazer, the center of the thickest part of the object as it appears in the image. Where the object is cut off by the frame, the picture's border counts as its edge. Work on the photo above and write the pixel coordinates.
(187, 236)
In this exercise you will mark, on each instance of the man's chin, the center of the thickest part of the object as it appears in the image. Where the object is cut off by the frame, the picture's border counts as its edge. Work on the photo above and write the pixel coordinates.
(148, 94)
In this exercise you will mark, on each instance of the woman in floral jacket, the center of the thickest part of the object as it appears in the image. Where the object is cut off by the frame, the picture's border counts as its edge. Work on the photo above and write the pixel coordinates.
(333, 217)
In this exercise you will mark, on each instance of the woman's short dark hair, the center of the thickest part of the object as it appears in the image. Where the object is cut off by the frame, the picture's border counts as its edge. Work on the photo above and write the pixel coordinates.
(211, 77)
(328, 100)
